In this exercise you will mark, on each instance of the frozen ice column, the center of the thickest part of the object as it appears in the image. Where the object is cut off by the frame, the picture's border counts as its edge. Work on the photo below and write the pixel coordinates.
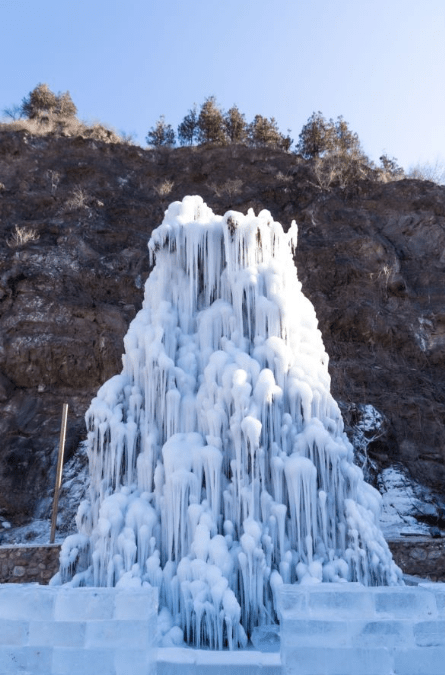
(219, 466)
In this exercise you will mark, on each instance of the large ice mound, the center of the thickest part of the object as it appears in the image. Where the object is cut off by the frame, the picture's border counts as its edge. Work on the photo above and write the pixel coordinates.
(219, 467)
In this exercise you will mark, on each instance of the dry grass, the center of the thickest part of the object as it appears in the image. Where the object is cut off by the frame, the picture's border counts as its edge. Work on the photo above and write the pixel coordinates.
(79, 199)
(21, 236)
(231, 187)
(387, 177)
(163, 189)
(64, 126)
(341, 169)
(283, 178)
(53, 179)
(434, 172)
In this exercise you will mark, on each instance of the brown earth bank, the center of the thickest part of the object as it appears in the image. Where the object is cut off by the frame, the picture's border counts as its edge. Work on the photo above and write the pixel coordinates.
(371, 258)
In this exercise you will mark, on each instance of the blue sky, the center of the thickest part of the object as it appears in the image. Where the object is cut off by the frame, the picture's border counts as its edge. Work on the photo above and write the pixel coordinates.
(379, 63)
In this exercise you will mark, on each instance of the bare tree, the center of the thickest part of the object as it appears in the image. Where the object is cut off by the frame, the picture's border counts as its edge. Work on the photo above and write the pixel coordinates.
(434, 172)
(13, 112)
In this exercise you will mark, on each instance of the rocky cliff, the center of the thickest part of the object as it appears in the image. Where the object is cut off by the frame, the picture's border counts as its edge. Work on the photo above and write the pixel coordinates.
(75, 217)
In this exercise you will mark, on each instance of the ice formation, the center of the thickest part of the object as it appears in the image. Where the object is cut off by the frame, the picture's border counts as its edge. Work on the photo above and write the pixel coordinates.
(219, 467)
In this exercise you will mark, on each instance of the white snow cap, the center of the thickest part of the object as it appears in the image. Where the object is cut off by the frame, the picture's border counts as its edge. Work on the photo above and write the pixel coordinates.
(219, 465)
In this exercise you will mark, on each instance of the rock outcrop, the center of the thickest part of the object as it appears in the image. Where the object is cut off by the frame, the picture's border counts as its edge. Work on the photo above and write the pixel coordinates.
(76, 216)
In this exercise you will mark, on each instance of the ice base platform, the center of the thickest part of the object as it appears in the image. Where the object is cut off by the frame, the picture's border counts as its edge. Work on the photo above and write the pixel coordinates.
(177, 661)
(326, 629)
(349, 629)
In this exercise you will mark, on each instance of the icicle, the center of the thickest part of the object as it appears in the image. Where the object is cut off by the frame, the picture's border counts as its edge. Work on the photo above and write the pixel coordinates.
(218, 463)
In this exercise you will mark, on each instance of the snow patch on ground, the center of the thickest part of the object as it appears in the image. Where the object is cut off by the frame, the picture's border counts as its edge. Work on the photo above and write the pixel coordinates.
(404, 501)
(368, 427)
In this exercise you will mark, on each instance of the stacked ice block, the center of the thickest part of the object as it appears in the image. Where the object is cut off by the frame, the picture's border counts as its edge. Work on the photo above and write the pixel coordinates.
(348, 629)
(81, 631)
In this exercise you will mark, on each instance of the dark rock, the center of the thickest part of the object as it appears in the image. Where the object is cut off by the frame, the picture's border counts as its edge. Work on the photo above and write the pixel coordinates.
(435, 532)
(371, 261)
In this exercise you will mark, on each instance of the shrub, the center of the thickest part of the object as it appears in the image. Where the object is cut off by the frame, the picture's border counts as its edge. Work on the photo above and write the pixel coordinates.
(96, 131)
(79, 199)
(163, 189)
(389, 169)
(65, 106)
(40, 103)
(22, 235)
(231, 187)
(43, 104)
(342, 169)
(428, 171)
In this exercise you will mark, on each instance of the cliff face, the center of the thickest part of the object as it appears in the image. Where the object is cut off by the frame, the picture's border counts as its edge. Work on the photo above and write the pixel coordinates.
(371, 260)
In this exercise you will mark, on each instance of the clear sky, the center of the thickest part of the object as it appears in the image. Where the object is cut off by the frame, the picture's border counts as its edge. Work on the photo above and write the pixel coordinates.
(379, 63)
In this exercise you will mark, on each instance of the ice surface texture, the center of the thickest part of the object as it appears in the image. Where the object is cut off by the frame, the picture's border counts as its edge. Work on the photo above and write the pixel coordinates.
(87, 631)
(346, 629)
(219, 466)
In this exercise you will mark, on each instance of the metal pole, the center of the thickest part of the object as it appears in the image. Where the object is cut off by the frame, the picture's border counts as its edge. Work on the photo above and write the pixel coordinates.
(59, 472)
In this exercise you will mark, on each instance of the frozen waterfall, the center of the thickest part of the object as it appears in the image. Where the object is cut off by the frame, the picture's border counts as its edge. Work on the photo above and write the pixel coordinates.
(219, 468)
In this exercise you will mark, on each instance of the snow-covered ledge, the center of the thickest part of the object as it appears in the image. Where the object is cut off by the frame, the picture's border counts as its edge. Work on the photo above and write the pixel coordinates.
(47, 630)
(349, 629)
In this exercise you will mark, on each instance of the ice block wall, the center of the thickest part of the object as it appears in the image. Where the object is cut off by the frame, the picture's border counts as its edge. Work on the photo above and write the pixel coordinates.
(83, 631)
(348, 629)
